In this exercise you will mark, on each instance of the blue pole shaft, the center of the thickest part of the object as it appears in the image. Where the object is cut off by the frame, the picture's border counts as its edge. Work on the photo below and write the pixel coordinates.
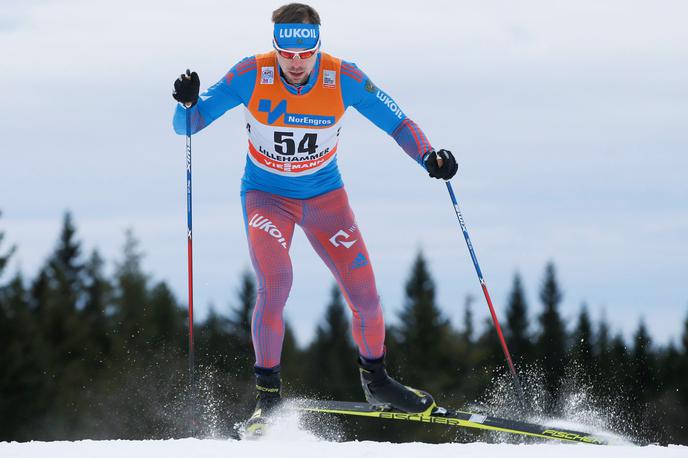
(192, 380)
(483, 285)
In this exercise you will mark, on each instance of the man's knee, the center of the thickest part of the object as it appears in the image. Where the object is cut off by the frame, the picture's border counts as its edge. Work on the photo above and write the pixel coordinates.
(276, 285)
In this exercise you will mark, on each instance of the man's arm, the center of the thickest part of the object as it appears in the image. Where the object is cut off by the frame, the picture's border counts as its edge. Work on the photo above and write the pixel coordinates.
(233, 89)
(376, 105)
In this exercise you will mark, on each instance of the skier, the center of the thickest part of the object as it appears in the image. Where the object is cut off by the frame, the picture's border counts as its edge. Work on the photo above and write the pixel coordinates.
(295, 97)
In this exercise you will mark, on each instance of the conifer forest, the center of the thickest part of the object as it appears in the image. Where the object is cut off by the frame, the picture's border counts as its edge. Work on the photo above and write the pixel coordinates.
(90, 354)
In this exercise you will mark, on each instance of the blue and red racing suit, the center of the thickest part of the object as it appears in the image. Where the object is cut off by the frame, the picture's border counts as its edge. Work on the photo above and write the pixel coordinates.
(291, 177)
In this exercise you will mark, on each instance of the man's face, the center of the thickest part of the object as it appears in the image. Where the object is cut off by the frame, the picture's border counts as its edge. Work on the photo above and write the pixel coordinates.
(296, 71)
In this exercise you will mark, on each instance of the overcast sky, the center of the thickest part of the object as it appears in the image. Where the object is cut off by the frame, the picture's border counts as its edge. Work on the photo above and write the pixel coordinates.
(569, 121)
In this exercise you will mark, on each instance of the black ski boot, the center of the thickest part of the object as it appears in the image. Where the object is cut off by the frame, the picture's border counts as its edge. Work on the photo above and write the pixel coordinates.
(268, 400)
(381, 389)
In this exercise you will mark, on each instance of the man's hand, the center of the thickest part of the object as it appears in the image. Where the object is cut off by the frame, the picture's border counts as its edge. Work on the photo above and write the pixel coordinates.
(441, 164)
(186, 88)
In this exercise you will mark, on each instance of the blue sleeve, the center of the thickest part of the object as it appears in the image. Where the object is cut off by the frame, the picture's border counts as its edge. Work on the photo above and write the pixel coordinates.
(372, 102)
(233, 89)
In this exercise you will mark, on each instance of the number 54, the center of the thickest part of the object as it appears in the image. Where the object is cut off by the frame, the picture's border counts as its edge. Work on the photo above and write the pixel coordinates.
(285, 144)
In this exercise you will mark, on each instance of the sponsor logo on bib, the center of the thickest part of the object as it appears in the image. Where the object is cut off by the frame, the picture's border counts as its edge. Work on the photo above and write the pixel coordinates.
(329, 78)
(292, 119)
(267, 75)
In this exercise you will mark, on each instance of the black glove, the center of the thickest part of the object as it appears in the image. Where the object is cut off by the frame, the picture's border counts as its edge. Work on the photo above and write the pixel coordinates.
(449, 165)
(186, 88)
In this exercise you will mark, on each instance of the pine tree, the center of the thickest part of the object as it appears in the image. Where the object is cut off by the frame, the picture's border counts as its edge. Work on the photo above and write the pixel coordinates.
(64, 276)
(4, 258)
(602, 354)
(467, 359)
(332, 371)
(424, 333)
(66, 335)
(240, 328)
(146, 378)
(582, 351)
(228, 347)
(97, 292)
(131, 308)
(240, 320)
(517, 332)
(214, 343)
(24, 390)
(65, 267)
(551, 343)
(680, 377)
(683, 364)
(468, 327)
(669, 403)
(620, 378)
(669, 367)
(39, 293)
(644, 384)
(684, 336)
(21, 386)
(620, 360)
(489, 349)
(643, 366)
(292, 371)
(166, 321)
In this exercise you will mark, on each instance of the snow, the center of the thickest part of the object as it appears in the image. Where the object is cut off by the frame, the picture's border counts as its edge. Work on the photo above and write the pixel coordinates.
(304, 448)
(287, 438)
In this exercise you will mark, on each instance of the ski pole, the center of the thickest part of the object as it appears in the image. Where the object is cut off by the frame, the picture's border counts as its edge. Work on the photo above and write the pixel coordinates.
(483, 285)
(192, 381)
